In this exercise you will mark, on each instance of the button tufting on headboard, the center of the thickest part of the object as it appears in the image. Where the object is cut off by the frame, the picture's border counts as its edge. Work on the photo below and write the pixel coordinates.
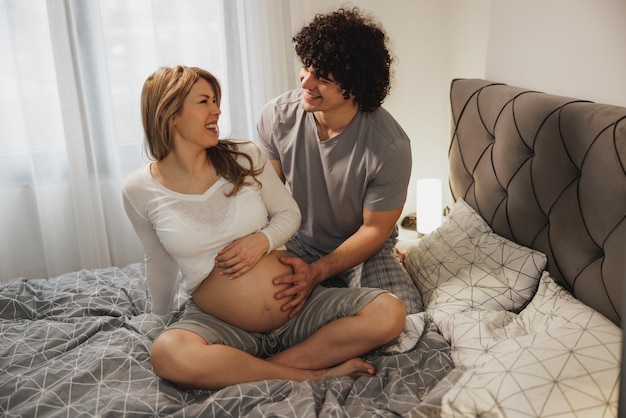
(548, 172)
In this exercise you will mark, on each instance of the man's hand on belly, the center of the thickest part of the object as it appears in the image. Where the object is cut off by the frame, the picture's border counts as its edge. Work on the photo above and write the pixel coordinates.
(302, 284)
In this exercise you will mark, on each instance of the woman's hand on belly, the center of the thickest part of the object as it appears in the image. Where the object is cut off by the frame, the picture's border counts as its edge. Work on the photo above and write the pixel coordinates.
(248, 301)
(241, 255)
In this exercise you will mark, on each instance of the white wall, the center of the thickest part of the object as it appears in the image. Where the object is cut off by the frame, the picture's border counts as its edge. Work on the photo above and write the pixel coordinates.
(573, 48)
(569, 47)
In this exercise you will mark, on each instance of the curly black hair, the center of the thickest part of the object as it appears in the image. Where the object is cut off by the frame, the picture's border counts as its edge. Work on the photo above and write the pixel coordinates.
(352, 47)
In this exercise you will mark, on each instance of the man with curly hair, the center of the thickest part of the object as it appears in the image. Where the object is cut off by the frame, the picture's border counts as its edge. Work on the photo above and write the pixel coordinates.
(346, 160)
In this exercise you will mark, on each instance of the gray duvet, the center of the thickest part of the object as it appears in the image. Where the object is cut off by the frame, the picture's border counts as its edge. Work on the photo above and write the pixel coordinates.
(78, 345)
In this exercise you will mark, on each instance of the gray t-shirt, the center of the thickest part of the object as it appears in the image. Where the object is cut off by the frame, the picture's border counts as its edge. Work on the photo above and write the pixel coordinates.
(368, 166)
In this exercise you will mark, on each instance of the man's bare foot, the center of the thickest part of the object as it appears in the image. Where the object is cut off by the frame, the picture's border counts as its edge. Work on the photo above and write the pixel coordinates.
(355, 368)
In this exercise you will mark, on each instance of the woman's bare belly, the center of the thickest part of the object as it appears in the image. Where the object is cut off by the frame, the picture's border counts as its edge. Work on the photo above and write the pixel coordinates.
(248, 301)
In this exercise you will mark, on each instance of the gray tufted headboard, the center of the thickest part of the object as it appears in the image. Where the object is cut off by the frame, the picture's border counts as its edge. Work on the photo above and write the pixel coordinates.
(548, 172)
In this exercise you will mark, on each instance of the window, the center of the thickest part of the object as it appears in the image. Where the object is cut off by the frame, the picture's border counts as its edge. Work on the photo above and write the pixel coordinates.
(71, 81)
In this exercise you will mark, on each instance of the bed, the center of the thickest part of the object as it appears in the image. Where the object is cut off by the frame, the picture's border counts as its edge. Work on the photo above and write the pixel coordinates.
(522, 287)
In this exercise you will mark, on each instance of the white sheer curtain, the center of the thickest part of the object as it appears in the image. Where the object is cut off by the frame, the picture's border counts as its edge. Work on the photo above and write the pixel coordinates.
(70, 82)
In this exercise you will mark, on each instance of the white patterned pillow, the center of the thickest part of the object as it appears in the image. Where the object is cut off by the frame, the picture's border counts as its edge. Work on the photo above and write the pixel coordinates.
(465, 265)
(558, 358)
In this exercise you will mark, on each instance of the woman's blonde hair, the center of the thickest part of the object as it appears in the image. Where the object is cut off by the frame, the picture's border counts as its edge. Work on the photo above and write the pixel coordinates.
(162, 98)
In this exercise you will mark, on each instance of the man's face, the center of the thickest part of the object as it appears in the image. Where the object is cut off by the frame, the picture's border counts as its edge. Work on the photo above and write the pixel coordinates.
(321, 94)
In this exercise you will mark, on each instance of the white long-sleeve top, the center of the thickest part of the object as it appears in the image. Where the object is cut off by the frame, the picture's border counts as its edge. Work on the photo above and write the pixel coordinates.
(184, 232)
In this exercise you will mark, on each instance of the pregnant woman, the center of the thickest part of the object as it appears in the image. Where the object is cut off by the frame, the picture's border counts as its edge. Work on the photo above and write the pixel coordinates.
(211, 212)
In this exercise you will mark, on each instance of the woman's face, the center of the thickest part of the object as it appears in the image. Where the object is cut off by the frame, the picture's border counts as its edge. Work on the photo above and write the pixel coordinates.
(196, 124)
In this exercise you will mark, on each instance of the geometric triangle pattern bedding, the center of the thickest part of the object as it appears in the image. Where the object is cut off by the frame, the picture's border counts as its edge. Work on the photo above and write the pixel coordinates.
(464, 262)
(557, 358)
(78, 345)
(526, 349)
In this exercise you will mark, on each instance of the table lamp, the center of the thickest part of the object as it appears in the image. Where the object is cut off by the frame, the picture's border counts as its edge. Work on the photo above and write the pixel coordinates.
(429, 209)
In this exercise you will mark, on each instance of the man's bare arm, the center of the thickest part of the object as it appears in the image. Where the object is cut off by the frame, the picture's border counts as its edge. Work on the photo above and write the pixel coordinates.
(364, 243)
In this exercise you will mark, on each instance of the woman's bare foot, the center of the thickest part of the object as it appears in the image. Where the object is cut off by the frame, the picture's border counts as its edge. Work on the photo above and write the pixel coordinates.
(355, 368)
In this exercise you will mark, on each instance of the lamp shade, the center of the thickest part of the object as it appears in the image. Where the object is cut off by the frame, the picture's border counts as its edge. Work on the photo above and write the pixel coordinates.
(429, 209)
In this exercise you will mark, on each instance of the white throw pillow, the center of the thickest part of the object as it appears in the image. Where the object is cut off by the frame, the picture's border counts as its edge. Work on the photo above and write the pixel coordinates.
(466, 265)
(559, 358)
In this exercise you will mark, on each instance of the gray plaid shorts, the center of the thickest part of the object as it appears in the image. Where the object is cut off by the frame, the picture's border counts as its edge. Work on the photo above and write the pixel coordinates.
(383, 270)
